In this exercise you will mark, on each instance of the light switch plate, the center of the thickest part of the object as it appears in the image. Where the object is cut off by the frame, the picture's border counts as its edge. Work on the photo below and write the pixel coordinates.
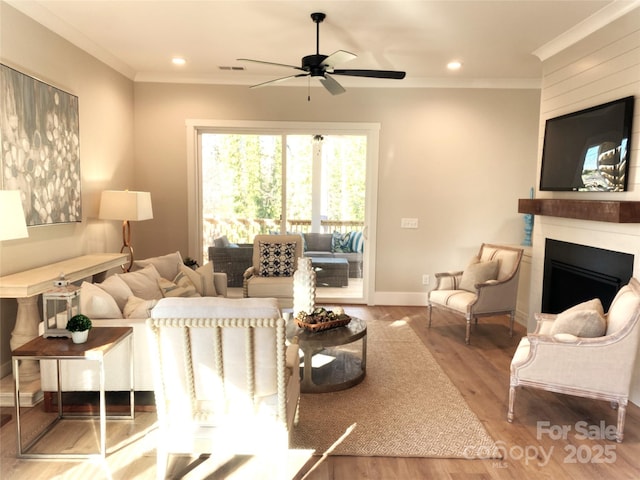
(408, 223)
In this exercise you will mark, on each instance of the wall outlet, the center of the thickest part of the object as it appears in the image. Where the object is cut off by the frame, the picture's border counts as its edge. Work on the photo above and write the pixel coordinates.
(425, 279)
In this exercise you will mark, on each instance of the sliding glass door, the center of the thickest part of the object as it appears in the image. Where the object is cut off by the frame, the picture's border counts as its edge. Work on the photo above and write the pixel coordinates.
(257, 182)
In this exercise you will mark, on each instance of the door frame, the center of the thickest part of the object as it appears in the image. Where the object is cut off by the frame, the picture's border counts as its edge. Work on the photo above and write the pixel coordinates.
(194, 197)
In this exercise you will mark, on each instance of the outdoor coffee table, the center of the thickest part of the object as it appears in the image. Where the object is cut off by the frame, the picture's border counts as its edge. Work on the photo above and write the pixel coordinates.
(331, 272)
(102, 340)
(334, 359)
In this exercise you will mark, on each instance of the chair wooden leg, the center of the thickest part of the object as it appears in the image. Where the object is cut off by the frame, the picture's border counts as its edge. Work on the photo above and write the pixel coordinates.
(467, 337)
(512, 400)
(429, 308)
(511, 320)
(622, 410)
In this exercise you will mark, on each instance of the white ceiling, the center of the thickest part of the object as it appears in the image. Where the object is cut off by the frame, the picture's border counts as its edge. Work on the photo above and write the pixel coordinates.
(497, 41)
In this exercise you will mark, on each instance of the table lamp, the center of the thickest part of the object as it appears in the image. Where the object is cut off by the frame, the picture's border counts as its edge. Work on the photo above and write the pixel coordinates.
(127, 206)
(13, 224)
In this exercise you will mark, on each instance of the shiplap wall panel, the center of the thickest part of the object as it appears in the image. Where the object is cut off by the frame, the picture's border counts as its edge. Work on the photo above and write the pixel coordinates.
(556, 82)
(602, 67)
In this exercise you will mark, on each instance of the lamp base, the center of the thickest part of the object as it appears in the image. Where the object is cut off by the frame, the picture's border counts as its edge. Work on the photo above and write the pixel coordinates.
(126, 244)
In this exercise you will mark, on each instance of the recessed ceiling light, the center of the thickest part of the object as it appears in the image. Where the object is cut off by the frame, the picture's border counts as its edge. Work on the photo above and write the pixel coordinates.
(178, 61)
(454, 65)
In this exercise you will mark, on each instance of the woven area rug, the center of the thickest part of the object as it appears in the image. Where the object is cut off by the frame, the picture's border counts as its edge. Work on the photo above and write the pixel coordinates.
(405, 407)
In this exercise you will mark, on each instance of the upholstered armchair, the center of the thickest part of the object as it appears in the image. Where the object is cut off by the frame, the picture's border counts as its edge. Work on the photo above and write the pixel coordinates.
(487, 287)
(225, 380)
(557, 358)
(275, 259)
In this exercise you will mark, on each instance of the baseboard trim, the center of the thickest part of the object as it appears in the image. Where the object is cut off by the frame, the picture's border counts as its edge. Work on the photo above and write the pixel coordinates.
(413, 299)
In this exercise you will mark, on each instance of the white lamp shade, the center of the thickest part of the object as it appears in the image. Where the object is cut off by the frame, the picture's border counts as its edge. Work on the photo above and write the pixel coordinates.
(125, 205)
(12, 223)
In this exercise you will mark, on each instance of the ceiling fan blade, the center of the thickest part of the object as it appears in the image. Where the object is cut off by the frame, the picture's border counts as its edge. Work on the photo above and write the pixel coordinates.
(332, 85)
(268, 63)
(278, 80)
(392, 74)
(337, 58)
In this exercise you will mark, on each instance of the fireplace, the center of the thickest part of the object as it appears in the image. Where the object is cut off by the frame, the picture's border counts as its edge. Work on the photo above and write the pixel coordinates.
(575, 273)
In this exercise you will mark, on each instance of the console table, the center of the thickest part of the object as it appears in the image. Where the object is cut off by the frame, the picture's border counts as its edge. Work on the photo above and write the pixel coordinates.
(26, 286)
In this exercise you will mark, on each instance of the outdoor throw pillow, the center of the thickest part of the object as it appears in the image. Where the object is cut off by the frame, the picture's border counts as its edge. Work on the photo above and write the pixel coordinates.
(357, 242)
(277, 259)
(341, 242)
(478, 273)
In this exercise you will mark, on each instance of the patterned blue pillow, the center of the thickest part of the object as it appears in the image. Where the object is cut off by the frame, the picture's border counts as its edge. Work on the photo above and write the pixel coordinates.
(357, 242)
(277, 259)
(341, 242)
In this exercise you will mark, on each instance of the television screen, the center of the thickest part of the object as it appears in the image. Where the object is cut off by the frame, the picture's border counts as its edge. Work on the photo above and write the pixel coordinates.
(588, 150)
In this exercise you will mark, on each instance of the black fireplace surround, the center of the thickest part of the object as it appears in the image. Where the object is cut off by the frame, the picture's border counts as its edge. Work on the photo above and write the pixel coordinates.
(576, 273)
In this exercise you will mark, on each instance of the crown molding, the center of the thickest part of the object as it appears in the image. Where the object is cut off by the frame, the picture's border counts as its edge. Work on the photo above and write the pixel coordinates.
(595, 22)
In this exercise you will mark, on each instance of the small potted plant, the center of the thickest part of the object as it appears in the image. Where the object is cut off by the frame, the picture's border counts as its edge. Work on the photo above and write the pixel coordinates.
(79, 326)
(191, 263)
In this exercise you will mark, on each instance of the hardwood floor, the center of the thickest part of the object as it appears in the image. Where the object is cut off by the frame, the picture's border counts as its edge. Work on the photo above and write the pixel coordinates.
(480, 371)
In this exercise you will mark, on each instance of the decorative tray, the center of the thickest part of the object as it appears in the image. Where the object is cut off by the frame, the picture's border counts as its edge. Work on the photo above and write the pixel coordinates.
(321, 319)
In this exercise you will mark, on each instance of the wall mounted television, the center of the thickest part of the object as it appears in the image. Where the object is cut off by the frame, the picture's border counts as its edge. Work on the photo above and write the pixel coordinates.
(588, 151)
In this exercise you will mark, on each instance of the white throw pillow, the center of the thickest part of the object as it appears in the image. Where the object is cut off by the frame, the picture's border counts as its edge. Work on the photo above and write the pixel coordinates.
(202, 278)
(166, 265)
(143, 283)
(118, 289)
(138, 307)
(583, 320)
(97, 303)
(180, 287)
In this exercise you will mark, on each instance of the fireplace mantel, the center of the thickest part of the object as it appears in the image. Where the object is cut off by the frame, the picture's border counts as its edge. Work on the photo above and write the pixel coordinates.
(595, 210)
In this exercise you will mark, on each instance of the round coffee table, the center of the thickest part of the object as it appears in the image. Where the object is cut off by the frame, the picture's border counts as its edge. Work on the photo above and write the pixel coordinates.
(333, 359)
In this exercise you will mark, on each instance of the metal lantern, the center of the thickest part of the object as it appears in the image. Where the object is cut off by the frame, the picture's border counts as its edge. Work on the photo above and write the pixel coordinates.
(58, 306)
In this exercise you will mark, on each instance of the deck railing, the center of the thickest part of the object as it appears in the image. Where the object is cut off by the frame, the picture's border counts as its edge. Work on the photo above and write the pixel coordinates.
(243, 230)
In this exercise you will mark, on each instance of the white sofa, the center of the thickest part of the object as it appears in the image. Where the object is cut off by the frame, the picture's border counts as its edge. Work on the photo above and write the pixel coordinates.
(126, 299)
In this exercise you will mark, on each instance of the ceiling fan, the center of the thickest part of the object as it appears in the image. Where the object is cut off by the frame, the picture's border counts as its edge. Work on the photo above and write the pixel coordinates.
(323, 66)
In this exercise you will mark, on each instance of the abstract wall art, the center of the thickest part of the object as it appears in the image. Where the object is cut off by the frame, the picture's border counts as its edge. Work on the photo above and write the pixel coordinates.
(40, 147)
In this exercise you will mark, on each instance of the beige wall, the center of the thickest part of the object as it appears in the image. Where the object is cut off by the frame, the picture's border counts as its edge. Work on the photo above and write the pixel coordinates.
(603, 67)
(106, 149)
(456, 159)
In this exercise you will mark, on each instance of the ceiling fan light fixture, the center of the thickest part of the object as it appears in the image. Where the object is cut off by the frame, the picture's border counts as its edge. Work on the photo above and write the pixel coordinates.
(323, 66)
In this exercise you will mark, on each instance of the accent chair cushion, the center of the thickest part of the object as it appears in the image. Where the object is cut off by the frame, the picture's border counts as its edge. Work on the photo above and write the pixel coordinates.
(583, 320)
(277, 259)
(479, 272)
